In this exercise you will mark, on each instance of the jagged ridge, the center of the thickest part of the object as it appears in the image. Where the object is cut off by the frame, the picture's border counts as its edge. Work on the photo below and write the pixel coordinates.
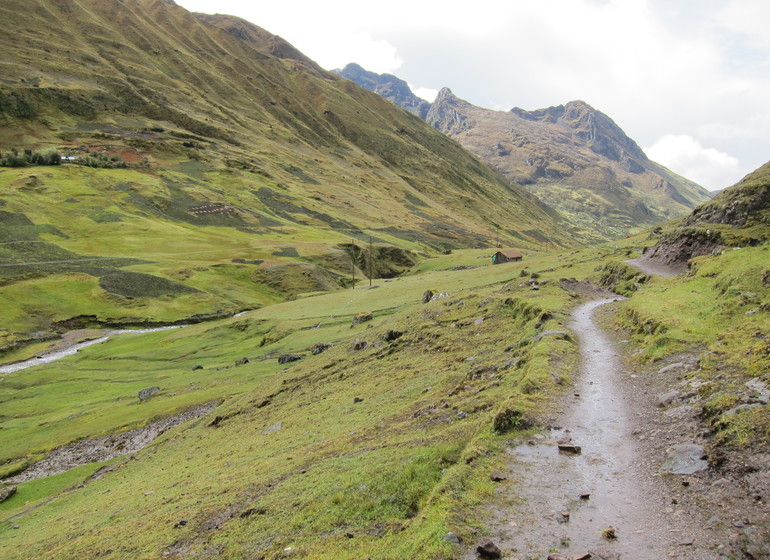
(572, 156)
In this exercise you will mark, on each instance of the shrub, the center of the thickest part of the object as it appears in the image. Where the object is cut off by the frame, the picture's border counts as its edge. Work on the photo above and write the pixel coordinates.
(28, 157)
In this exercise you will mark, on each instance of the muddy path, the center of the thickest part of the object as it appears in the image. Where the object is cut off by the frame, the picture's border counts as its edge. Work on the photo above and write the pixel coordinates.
(602, 493)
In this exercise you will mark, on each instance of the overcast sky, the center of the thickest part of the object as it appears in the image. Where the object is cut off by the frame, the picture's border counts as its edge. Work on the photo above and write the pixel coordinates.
(688, 80)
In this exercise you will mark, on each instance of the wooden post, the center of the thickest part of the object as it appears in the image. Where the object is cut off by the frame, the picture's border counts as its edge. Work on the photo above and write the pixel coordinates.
(371, 255)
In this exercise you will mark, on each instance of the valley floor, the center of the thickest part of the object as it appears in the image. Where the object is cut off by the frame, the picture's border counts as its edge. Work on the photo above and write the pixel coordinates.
(610, 499)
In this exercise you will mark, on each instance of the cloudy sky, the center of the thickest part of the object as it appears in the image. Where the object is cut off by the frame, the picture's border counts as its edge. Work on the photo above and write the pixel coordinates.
(689, 80)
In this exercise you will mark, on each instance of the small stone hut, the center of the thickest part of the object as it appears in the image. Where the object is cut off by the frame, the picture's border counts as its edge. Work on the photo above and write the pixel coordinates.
(509, 255)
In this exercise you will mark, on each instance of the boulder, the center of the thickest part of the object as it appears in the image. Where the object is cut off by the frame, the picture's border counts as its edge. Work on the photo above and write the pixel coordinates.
(452, 538)
(667, 398)
(362, 317)
(684, 458)
(286, 358)
(392, 335)
(497, 476)
(145, 394)
(319, 348)
(6, 492)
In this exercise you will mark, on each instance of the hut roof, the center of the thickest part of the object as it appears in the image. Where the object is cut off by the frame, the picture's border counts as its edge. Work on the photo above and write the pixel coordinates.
(512, 254)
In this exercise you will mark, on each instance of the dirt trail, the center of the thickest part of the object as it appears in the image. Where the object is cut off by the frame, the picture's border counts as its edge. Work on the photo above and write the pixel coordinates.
(614, 473)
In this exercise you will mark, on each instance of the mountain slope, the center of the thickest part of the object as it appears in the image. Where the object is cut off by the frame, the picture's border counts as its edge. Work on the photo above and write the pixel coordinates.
(206, 152)
(573, 157)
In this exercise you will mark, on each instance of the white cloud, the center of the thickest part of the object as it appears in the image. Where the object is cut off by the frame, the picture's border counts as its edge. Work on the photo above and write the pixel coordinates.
(333, 33)
(427, 94)
(746, 18)
(688, 157)
(375, 55)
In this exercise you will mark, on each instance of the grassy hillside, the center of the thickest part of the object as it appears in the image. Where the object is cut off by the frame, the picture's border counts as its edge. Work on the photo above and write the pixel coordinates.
(204, 153)
(377, 446)
(297, 456)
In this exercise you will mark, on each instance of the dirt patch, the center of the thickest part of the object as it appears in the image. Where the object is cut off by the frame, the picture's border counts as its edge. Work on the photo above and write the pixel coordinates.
(104, 448)
(648, 265)
(676, 250)
(584, 290)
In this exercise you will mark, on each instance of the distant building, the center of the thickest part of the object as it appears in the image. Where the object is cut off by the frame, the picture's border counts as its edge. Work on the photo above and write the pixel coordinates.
(510, 255)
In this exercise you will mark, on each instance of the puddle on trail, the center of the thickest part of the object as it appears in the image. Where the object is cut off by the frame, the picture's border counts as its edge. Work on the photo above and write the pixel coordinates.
(565, 501)
(542, 447)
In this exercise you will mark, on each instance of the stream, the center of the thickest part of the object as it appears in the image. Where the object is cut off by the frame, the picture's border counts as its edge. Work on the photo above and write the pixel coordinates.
(584, 486)
(75, 348)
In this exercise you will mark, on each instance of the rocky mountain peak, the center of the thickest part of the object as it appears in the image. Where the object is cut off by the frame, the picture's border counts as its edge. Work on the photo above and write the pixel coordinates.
(604, 136)
(445, 94)
(572, 156)
(449, 113)
(600, 132)
(388, 86)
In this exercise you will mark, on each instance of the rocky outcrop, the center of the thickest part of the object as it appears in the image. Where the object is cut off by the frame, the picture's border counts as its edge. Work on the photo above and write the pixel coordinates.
(683, 245)
(744, 204)
(599, 131)
(741, 206)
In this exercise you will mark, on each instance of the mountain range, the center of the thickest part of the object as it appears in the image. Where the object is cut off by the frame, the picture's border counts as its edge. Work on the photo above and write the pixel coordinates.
(573, 157)
(163, 168)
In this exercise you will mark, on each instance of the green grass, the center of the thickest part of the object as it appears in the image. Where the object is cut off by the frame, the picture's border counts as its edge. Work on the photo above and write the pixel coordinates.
(393, 470)
(294, 462)
(719, 308)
